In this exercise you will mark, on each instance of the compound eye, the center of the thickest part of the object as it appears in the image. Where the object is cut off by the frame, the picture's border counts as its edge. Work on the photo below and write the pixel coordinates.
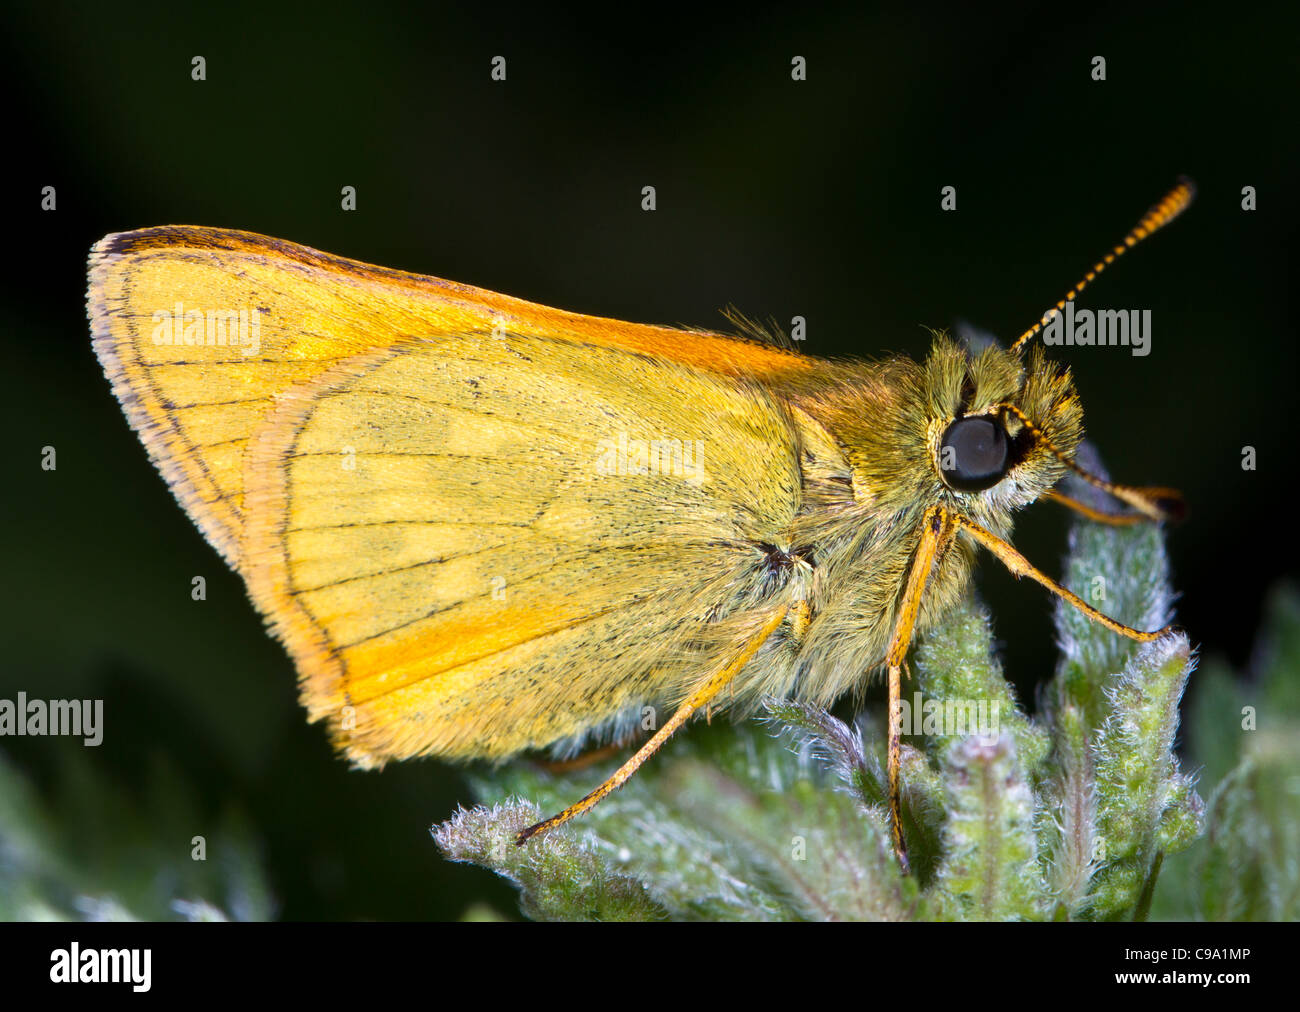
(974, 454)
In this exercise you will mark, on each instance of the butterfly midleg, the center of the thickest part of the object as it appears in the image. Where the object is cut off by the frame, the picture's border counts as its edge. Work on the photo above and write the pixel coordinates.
(700, 697)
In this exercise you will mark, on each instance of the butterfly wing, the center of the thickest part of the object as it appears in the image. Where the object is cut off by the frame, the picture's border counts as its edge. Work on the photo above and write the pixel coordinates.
(478, 525)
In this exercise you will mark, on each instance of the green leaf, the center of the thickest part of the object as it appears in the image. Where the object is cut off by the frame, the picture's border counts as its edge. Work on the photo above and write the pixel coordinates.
(133, 857)
(1247, 734)
(559, 878)
(990, 871)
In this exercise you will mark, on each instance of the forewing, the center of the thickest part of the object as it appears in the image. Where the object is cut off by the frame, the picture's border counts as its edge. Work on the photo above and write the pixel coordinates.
(195, 405)
(478, 525)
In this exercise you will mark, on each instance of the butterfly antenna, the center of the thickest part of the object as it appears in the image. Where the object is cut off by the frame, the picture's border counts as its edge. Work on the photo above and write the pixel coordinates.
(1174, 203)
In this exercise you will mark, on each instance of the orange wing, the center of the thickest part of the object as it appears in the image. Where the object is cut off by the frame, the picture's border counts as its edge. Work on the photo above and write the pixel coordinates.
(374, 451)
(136, 275)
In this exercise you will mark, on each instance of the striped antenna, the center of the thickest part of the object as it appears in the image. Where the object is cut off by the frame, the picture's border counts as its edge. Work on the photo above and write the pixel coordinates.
(1174, 204)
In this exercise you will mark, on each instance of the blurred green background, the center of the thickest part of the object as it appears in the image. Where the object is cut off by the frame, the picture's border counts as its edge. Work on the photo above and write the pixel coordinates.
(818, 198)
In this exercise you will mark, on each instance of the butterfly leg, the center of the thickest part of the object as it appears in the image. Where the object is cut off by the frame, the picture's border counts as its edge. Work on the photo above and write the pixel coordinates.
(800, 620)
(1020, 566)
(1154, 503)
(581, 762)
(937, 530)
(1169, 498)
(1082, 508)
(701, 697)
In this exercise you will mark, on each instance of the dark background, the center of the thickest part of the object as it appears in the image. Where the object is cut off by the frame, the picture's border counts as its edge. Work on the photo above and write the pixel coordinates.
(818, 198)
